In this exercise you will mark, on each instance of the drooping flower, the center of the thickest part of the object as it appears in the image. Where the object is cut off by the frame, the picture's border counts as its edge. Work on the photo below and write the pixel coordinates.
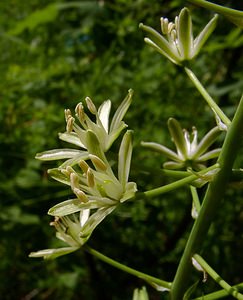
(68, 230)
(177, 42)
(98, 192)
(189, 153)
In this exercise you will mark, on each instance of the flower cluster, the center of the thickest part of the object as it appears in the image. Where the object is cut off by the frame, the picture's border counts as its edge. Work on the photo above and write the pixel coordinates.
(88, 172)
(190, 153)
(178, 45)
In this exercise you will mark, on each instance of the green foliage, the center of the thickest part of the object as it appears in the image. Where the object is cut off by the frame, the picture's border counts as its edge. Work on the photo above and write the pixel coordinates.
(52, 56)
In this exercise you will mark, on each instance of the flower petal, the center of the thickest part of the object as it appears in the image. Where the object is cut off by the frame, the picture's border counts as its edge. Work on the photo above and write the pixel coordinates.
(178, 137)
(161, 149)
(121, 111)
(204, 35)
(207, 141)
(104, 113)
(93, 145)
(209, 155)
(57, 154)
(75, 160)
(94, 220)
(57, 174)
(72, 138)
(124, 158)
(159, 41)
(53, 253)
(130, 190)
(69, 207)
(185, 35)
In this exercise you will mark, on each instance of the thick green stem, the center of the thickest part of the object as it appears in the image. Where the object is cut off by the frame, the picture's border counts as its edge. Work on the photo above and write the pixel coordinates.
(114, 263)
(210, 205)
(230, 290)
(207, 97)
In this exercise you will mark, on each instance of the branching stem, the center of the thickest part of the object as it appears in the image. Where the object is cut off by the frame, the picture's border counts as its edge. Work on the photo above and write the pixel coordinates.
(230, 290)
(210, 204)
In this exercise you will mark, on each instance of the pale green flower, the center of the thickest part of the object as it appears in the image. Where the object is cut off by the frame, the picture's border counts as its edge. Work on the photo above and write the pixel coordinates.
(76, 133)
(68, 230)
(177, 42)
(97, 189)
(189, 153)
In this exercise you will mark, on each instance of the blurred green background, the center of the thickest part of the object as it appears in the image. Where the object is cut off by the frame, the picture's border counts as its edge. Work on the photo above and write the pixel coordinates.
(53, 55)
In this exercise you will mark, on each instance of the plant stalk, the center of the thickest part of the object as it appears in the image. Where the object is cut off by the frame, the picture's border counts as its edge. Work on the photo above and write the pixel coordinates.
(207, 97)
(206, 267)
(210, 204)
(219, 294)
(114, 263)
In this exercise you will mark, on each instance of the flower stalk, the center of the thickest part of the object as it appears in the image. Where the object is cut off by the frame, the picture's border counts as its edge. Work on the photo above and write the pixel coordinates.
(210, 204)
(213, 105)
(114, 263)
(230, 290)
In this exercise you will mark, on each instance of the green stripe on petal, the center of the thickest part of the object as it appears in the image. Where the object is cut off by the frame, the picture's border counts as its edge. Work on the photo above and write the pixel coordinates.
(204, 35)
(185, 35)
(71, 206)
(58, 175)
(71, 138)
(161, 42)
(161, 149)
(94, 220)
(75, 160)
(124, 158)
(57, 154)
(53, 253)
(93, 145)
(121, 111)
(206, 142)
(178, 137)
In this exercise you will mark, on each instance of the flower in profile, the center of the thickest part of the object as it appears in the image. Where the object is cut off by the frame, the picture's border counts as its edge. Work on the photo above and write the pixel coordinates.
(97, 193)
(68, 230)
(177, 42)
(76, 134)
(190, 153)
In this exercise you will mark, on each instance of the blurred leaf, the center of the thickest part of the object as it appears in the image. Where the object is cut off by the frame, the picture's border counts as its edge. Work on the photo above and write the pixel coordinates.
(40, 16)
